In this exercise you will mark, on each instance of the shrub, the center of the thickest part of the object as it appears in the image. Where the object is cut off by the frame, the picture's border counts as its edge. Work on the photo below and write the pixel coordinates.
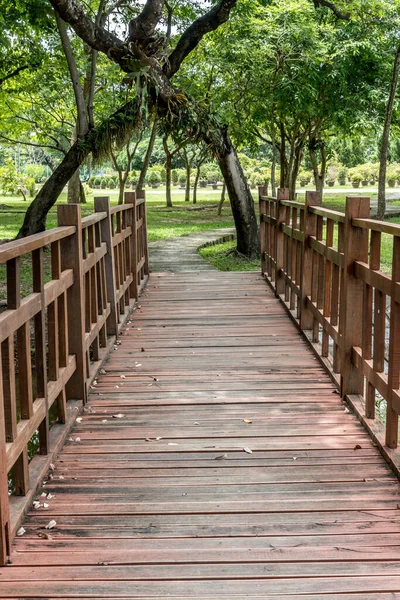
(182, 178)
(30, 186)
(154, 178)
(305, 177)
(36, 172)
(174, 176)
(213, 176)
(356, 176)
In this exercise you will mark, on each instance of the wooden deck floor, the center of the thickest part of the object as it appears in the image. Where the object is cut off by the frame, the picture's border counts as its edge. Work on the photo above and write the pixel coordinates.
(214, 461)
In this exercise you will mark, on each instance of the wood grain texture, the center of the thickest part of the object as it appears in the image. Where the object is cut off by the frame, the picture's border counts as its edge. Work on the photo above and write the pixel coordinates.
(156, 495)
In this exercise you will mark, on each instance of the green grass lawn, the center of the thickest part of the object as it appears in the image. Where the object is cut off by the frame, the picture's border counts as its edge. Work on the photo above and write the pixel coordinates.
(179, 221)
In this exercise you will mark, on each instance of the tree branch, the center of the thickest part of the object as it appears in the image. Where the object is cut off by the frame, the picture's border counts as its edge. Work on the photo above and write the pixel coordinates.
(83, 124)
(215, 17)
(336, 11)
(143, 27)
(13, 74)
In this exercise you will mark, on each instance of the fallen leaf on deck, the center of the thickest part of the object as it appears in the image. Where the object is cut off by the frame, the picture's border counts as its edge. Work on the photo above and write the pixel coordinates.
(248, 450)
(346, 410)
(118, 416)
(142, 350)
(221, 457)
(36, 505)
(357, 447)
(104, 420)
(52, 467)
(44, 535)
(79, 420)
(247, 421)
(45, 505)
(21, 532)
(78, 439)
(122, 377)
(51, 524)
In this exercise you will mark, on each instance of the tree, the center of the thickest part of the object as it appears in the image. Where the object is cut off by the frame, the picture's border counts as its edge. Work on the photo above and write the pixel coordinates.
(143, 54)
(169, 156)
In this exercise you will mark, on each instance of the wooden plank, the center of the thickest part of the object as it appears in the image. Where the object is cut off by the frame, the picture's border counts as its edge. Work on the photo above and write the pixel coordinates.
(261, 484)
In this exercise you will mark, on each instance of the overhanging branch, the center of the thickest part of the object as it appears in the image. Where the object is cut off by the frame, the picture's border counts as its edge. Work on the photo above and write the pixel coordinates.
(336, 11)
(188, 41)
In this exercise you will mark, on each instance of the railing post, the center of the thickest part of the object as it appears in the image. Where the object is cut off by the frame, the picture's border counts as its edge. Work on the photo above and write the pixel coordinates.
(4, 506)
(102, 204)
(355, 249)
(263, 191)
(392, 417)
(310, 229)
(142, 194)
(72, 258)
(130, 198)
(283, 194)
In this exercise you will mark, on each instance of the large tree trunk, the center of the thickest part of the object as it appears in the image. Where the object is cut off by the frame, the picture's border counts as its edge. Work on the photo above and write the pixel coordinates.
(242, 202)
(149, 152)
(383, 155)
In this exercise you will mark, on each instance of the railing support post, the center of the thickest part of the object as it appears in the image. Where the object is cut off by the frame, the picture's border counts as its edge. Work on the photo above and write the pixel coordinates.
(355, 249)
(283, 194)
(130, 198)
(263, 191)
(4, 506)
(102, 204)
(392, 416)
(72, 258)
(310, 229)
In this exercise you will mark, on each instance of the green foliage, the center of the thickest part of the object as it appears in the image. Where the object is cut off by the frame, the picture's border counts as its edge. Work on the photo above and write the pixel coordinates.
(182, 178)
(154, 178)
(13, 183)
(37, 172)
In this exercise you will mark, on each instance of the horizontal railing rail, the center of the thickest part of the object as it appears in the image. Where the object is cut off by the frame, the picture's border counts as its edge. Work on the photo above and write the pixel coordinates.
(86, 276)
(326, 267)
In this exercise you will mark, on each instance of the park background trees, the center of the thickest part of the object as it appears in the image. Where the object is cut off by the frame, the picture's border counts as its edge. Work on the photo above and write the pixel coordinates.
(111, 89)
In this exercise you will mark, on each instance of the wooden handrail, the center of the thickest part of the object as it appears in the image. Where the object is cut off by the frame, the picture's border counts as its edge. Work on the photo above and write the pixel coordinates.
(99, 265)
(326, 267)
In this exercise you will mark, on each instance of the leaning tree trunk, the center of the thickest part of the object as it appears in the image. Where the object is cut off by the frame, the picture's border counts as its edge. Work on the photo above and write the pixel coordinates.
(383, 155)
(94, 140)
(242, 202)
(149, 152)
(35, 217)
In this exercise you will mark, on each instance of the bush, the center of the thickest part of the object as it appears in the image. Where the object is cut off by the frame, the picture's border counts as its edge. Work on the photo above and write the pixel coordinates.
(113, 182)
(213, 176)
(182, 179)
(104, 182)
(391, 175)
(154, 178)
(355, 175)
(133, 178)
(305, 177)
(36, 172)
(30, 186)
(174, 176)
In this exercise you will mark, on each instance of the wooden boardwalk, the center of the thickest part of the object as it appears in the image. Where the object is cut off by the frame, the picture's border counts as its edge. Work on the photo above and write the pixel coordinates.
(214, 461)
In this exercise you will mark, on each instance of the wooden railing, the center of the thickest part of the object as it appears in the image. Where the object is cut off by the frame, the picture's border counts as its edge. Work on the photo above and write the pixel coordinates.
(326, 267)
(54, 340)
